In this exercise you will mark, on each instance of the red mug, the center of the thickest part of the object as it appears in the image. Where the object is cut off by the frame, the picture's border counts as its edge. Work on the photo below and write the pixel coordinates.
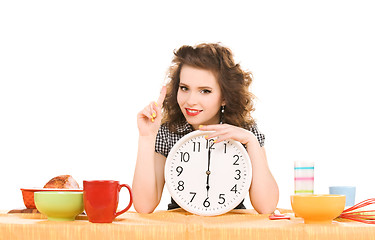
(101, 197)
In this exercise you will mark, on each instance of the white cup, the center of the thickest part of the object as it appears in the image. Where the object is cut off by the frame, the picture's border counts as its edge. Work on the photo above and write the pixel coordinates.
(303, 177)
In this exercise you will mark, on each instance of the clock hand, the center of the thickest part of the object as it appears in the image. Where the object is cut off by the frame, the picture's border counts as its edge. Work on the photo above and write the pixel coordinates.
(208, 172)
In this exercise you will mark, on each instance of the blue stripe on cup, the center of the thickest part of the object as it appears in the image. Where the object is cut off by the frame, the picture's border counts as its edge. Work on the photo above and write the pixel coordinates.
(295, 168)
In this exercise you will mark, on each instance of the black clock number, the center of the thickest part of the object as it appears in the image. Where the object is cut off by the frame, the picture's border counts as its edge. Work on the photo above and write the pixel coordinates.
(185, 156)
(180, 186)
(193, 193)
(210, 143)
(238, 174)
(179, 170)
(236, 161)
(225, 148)
(196, 146)
(221, 197)
(206, 203)
(234, 189)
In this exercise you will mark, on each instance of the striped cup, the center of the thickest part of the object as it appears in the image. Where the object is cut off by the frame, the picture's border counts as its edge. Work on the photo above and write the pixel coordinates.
(303, 177)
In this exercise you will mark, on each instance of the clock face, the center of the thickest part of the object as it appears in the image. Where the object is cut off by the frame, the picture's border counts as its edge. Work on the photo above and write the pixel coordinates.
(207, 178)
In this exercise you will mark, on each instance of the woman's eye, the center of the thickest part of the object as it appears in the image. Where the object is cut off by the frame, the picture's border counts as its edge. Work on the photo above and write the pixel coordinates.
(206, 91)
(183, 88)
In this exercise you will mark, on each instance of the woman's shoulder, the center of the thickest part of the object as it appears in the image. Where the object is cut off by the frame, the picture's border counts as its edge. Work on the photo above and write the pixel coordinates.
(258, 134)
(164, 127)
(168, 135)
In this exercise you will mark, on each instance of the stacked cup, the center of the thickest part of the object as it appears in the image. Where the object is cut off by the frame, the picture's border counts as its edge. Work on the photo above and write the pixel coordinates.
(303, 177)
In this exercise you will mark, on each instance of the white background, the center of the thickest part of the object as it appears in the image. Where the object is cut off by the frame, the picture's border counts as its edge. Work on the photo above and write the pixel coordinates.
(74, 74)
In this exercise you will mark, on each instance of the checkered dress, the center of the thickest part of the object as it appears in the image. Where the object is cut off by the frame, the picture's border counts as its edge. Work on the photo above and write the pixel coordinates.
(166, 139)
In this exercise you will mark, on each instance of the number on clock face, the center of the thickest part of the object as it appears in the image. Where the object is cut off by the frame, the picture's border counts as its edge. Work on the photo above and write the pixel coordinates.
(208, 178)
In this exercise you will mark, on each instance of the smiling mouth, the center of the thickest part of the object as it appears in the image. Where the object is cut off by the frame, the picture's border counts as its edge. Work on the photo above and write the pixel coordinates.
(192, 112)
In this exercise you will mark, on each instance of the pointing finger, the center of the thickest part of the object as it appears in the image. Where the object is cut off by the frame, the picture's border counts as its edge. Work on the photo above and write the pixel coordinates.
(163, 92)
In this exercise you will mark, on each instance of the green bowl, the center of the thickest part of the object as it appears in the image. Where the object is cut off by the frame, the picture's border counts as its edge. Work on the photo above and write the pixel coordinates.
(59, 206)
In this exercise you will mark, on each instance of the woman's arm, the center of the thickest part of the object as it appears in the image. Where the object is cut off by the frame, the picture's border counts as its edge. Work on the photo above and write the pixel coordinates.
(148, 180)
(264, 192)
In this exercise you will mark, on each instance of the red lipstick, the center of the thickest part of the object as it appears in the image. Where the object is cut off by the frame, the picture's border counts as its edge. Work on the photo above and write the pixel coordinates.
(192, 112)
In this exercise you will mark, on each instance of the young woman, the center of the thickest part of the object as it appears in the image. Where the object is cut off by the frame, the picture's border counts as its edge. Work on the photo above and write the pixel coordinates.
(207, 91)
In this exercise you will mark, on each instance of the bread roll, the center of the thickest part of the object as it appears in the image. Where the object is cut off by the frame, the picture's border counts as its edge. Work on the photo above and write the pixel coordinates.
(62, 181)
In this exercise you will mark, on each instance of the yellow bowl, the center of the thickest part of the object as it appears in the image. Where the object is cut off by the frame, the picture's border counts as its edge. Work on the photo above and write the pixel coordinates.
(318, 208)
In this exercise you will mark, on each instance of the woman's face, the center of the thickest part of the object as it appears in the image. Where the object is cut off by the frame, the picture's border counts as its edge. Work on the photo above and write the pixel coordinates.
(199, 96)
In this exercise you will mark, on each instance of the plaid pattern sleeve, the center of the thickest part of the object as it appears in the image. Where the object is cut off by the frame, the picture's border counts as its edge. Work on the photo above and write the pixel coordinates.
(166, 139)
(260, 136)
(161, 143)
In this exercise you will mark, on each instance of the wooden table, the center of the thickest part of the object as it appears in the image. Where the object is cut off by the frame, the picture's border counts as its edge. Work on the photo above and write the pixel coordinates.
(180, 225)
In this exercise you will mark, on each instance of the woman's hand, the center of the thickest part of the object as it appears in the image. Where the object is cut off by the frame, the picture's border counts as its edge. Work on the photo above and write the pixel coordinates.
(149, 119)
(225, 131)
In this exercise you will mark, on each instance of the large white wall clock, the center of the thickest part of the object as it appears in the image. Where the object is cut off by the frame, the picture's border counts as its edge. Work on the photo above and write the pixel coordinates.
(207, 178)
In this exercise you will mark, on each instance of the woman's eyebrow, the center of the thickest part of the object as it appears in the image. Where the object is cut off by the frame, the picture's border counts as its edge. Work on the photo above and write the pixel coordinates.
(200, 87)
(205, 87)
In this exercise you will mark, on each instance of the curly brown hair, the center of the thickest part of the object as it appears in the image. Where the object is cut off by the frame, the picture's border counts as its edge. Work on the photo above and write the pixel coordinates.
(233, 81)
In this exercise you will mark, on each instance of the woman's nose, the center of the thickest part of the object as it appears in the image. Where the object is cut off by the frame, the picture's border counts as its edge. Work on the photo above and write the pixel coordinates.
(191, 99)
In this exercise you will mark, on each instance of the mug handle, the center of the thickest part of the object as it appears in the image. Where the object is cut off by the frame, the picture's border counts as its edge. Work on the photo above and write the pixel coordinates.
(130, 201)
